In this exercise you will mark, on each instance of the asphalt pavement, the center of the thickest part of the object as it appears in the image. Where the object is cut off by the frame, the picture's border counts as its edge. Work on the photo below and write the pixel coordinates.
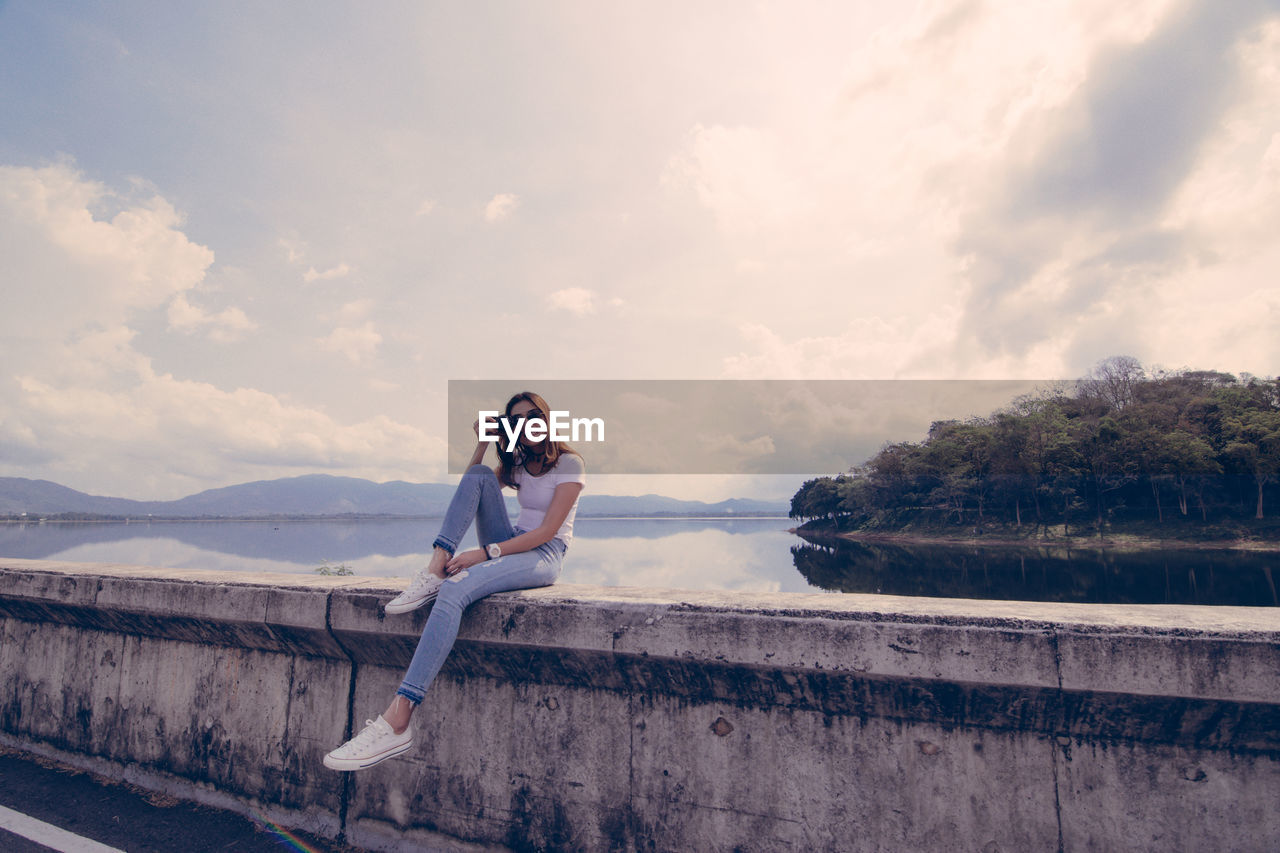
(39, 797)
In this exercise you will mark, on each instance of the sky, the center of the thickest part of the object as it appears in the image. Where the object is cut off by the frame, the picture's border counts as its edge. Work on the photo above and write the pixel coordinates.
(241, 241)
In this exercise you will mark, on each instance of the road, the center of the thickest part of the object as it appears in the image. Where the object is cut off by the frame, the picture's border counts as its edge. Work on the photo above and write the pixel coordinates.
(77, 812)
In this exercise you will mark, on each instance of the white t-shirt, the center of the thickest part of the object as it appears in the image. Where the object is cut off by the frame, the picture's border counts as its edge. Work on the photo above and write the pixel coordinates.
(535, 493)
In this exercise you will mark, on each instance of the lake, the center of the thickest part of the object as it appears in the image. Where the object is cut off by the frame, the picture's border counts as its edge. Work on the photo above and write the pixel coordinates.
(744, 554)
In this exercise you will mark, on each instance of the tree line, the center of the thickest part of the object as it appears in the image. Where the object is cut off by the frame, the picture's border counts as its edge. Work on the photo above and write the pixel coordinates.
(1121, 444)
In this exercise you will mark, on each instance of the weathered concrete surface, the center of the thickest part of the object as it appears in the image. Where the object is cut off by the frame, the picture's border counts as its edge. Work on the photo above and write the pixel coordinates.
(603, 718)
(223, 684)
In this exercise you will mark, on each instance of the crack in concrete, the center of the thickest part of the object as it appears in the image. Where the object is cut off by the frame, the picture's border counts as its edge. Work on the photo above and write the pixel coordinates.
(288, 715)
(629, 818)
(1057, 802)
(1052, 631)
(345, 798)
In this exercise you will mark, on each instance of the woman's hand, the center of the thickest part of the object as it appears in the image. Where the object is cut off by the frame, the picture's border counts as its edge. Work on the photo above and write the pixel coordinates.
(464, 560)
(482, 447)
(491, 424)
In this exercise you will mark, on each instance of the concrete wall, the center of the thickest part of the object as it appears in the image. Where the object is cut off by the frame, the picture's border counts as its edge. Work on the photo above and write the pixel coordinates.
(577, 717)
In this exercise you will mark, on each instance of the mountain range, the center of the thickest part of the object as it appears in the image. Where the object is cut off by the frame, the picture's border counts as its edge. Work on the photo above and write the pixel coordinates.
(326, 495)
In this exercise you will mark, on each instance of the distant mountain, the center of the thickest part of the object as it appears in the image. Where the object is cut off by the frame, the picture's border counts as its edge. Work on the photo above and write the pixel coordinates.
(317, 494)
(326, 495)
(41, 497)
(659, 505)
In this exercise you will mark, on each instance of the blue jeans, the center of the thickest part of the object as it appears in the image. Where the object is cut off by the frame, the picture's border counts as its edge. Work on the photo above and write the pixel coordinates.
(478, 498)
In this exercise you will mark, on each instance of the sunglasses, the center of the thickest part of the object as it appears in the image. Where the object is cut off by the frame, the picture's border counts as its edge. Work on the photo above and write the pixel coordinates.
(531, 414)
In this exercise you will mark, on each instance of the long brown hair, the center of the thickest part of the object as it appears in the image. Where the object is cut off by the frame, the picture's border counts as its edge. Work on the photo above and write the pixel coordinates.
(547, 451)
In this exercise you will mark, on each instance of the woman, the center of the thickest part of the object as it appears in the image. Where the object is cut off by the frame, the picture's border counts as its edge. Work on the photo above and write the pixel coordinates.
(548, 476)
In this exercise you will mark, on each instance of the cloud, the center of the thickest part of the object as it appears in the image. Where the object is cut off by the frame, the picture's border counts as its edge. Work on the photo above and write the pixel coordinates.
(294, 250)
(80, 402)
(941, 188)
(728, 445)
(575, 300)
(993, 191)
(743, 175)
(500, 207)
(339, 271)
(226, 326)
(357, 343)
(1080, 219)
(997, 191)
(356, 309)
(1127, 140)
(709, 559)
(209, 433)
(75, 253)
(867, 348)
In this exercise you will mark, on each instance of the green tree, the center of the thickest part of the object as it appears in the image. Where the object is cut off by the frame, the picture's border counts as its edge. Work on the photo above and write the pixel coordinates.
(1013, 471)
(1120, 438)
(1192, 462)
(1254, 445)
(857, 495)
(817, 498)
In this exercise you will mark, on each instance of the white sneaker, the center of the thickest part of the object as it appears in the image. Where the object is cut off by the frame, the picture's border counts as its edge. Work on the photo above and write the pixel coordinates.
(424, 587)
(376, 742)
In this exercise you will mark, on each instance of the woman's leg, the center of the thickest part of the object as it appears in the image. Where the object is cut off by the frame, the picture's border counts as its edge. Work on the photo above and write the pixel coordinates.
(389, 735)
(527, 569)
(479, 498)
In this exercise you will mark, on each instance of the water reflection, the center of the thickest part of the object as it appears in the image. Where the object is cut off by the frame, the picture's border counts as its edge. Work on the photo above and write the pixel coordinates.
(749, 554)
(746, 554)
(298, 542)
(1040, 574)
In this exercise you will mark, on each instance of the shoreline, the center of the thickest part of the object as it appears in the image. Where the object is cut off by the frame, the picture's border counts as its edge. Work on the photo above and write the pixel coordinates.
(1113, 542)
(276, 519)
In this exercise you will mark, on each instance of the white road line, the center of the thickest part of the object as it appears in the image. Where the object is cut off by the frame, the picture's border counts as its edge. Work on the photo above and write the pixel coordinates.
(50, 835)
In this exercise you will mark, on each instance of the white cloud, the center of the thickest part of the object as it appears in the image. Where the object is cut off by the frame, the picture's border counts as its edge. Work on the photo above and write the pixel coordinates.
(787, 194)
(357, 309)
(357, 343)
(226, 326)
(575, 300)
(743, 176)
(728, 445)
(867, 348)
(703, 560)
(192, 432)
(339, 271)
(501, 206)
(294, 250)
(83, 405)
(65, 266)
(880, 196)
(1233, 192)
(1087, 209)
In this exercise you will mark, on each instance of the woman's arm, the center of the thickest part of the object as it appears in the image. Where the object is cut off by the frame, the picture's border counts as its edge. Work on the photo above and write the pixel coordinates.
(477, 455)
(561, 502)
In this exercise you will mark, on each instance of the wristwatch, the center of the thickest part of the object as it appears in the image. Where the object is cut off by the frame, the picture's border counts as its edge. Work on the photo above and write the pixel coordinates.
(495, 550)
